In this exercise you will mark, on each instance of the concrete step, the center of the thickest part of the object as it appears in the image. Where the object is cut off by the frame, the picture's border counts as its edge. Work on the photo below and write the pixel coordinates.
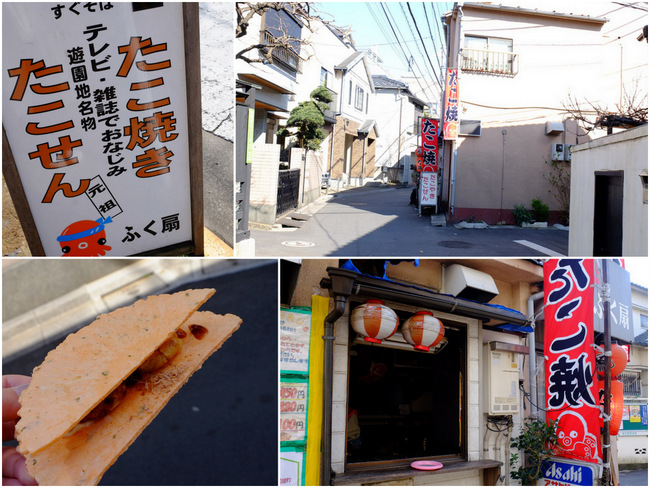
(286, 222)
(298, 216)
(438, 220)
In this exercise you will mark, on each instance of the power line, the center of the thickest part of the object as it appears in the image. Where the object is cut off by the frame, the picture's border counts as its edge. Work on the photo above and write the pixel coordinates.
(426, 16)
(406, 57)
(417, 45)
(408, 5)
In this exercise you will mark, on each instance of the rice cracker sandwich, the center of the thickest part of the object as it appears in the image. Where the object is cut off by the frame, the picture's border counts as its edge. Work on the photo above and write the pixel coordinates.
(98, 390)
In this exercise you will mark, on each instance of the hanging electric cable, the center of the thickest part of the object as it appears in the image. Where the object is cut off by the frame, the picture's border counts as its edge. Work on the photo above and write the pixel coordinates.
(426, 16)
(408, 5)
(392, 23)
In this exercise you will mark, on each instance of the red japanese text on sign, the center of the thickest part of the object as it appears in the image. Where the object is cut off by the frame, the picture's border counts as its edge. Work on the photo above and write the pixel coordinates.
(96, 96)
(451, 121)
(571, 387)
(429, 137)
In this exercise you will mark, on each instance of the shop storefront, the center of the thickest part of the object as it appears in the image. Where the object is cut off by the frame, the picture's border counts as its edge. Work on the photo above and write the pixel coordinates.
(384, 406)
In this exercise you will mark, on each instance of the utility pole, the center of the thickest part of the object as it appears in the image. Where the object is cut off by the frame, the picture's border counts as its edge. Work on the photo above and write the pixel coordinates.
(605, 295)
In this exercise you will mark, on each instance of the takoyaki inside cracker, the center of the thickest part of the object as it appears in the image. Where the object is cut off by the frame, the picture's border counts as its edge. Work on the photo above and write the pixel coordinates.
(93, 362)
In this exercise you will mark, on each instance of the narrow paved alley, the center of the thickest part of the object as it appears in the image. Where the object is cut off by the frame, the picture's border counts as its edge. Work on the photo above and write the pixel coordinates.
(373, 221)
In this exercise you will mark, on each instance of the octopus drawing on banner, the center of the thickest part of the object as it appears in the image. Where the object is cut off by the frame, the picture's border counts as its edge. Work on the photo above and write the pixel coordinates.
(574, 439)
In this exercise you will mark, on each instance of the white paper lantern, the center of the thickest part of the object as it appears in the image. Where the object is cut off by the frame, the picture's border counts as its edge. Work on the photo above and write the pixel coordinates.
(374, 321)
(423, 331)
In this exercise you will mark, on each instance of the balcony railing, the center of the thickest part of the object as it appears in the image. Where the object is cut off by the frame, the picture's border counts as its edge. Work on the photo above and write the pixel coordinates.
(492, 62)
(282, 54)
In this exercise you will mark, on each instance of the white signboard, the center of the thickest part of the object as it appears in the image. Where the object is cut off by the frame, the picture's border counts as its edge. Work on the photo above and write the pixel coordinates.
(428, 188)
(291, 468)
(95, 111)
(295, 330)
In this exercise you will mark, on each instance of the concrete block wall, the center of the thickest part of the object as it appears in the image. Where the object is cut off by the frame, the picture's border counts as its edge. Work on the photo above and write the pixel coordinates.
(473, 395)
(340, 392)
(264, 183)
(313, 169)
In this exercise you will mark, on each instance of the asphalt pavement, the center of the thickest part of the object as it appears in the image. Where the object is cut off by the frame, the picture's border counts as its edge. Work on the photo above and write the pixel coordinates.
(372, 221)
(636, 477)
(221, 427)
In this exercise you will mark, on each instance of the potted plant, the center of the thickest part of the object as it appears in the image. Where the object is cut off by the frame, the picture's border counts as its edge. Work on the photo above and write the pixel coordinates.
(541, 211)
(537, 442)
(522, 215)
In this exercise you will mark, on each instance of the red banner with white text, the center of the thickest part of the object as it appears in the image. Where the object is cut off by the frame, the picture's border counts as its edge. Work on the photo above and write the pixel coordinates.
(429, 129)
(570, 360)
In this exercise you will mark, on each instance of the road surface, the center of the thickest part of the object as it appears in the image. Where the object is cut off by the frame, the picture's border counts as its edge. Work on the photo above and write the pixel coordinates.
(380, 222)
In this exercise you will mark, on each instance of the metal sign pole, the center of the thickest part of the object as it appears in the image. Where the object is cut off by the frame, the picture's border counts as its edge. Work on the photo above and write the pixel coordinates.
(607, 474)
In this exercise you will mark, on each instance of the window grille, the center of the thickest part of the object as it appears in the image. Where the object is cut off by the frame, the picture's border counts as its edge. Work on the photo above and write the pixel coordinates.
(631, 383)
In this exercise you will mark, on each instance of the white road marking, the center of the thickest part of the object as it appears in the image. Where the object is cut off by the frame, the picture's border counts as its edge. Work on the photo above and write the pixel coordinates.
(542, 249)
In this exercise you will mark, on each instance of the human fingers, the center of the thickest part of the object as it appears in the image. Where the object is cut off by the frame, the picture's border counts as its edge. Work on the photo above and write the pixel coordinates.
(14, 470)
(12, 387)
(14, 380)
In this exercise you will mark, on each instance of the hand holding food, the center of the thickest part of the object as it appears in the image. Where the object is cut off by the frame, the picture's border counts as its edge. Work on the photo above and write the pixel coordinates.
(14, 471)
(94, 394)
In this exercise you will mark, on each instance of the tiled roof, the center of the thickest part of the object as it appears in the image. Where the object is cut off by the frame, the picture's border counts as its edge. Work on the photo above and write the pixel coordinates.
(382, 81)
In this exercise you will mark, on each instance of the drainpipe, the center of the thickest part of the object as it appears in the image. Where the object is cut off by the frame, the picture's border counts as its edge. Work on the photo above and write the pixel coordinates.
(399, 140)
(342, 281)
(509, 437)
(454, 155)
(363, 160)
(532, 379)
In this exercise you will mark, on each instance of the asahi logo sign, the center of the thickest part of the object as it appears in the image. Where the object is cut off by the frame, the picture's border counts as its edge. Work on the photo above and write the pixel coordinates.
(558, 473)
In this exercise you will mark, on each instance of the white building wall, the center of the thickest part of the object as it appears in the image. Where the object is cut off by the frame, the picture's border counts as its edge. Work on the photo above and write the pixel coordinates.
(626, 151)
(394, 119)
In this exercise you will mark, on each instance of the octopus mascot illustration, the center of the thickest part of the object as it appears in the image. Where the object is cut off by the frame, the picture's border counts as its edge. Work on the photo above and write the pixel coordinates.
(85, 238)
(574, 438)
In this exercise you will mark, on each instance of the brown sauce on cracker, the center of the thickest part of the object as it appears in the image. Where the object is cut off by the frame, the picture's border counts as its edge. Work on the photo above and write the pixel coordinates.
(198, 331)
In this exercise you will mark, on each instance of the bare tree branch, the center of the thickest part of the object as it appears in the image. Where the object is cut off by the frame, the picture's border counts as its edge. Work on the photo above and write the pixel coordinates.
(630, 112)
(277, 37)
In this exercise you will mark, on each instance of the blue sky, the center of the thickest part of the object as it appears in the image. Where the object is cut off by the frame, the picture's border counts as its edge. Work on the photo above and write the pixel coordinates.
(371, 29)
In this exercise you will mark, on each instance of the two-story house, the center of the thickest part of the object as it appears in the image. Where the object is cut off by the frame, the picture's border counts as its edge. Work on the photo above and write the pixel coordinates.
(517, 66)
(317, 54)
(397, 112)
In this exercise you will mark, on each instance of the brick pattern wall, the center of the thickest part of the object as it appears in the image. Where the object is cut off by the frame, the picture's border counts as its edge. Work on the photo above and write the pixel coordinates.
(346, 130)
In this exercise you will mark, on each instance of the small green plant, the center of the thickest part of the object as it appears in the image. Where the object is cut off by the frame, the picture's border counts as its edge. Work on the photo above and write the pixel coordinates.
(537, 442)
(522, 215)
(540, 210)
(559, 177)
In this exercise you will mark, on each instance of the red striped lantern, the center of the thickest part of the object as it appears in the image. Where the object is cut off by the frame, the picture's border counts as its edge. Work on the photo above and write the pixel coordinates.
(374, 321)
(618, 361)
(615, 405)
(423, 331)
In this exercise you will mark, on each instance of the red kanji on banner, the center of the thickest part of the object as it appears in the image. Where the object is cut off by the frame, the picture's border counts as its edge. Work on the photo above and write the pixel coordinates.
(571, 388)
(429, 137)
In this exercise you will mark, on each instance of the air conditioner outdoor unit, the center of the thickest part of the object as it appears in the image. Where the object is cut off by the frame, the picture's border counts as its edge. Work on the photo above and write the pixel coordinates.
(557, 152)
(567, 152)
(501, 382)
(463, 282)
